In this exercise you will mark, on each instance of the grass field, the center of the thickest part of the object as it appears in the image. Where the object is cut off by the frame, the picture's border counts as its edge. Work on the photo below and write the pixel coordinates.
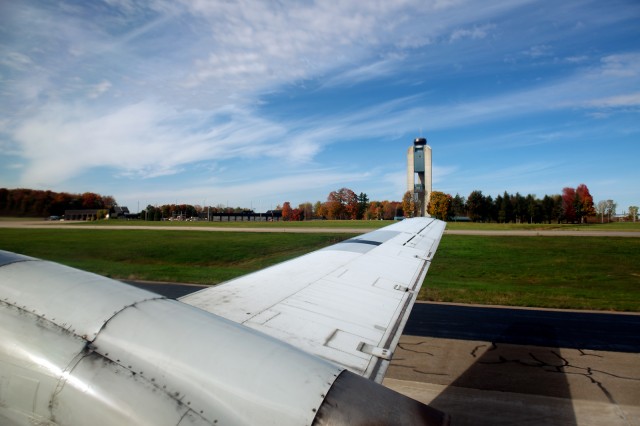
(556, 272)
(189, 257)
(613, 226)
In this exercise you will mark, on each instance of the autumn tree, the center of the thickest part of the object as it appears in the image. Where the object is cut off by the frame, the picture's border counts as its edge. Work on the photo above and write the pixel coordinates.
(408, 206)
(577, 204)
(342, 204)
(440, 205)
(306, 211)
(334, 208)
(296, 215)
(391, 209)
(91, 200)
(37, 203)
(321, 210)
(351, 203)
(584, 203)
(569, 204)
(109, 202)
(374, 211)
(286, 211)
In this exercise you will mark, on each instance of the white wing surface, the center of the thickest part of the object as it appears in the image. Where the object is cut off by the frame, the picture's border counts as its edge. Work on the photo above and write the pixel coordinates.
(347, 303)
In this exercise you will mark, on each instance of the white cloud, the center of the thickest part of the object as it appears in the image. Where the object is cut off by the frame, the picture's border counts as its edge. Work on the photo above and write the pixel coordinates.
(151, 139)
(298, 186)
(622, 65)
(369, 71)
(632, 99)
(475, 33)
(577, 59)
(538, 51)
(256, 45)
(98, 89)
(146, 139)
(16, 60)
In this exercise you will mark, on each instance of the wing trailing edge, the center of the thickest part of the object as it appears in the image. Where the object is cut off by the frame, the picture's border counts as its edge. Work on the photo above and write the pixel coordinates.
(347, 303)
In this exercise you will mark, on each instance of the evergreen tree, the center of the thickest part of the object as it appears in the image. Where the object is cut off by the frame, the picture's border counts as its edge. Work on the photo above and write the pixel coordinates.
(476, 207)
(457, 205)
(363, 205)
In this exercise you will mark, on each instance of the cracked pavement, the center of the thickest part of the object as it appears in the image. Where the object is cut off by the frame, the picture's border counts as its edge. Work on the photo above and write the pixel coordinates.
(480, 382)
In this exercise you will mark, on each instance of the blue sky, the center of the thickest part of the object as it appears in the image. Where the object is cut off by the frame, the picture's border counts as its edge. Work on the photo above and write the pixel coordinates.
(253, 103)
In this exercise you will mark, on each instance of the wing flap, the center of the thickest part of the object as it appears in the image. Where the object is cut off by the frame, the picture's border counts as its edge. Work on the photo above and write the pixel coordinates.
(347, 303)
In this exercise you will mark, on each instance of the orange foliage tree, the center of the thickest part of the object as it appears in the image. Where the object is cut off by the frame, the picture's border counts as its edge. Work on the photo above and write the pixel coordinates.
(584, 203)
(37, 203)
(342, 204)
(569, 204)
(286, 211)
(440, 205)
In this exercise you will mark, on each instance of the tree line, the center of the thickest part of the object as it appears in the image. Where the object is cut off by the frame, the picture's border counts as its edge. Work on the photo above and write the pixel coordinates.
(344, 204)
(341, 204)
(37, 203)
(574, 205)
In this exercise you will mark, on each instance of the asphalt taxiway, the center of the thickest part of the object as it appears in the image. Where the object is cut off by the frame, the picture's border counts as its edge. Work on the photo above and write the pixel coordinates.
(494, 365)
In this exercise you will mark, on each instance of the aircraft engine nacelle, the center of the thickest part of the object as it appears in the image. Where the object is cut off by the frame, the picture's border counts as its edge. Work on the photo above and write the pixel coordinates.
(77, 348)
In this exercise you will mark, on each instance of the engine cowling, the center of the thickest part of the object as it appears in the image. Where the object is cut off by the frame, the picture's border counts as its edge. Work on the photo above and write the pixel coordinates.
(77, 348)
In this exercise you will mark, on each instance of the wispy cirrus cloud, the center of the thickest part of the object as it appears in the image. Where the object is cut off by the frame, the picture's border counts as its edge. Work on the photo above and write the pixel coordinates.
(632, 99)
(476, 32)
(145, 138)
(538, 51)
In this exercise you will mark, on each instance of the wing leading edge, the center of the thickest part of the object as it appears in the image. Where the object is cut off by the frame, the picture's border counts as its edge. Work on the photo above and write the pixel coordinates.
(347, 303)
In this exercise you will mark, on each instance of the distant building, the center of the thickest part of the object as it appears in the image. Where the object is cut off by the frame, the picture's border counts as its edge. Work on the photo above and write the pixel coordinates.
(419, 174)
(118, 212)
(85, 214)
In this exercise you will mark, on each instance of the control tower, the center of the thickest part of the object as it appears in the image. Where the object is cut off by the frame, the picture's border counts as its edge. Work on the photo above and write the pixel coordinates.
(419, 174)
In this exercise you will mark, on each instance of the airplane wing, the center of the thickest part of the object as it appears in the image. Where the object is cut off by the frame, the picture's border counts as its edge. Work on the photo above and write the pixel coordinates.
(347, 303)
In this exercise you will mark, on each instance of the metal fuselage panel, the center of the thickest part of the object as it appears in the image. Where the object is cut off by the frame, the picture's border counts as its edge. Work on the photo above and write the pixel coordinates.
(49, 377)
(107, 353)
(75, 300)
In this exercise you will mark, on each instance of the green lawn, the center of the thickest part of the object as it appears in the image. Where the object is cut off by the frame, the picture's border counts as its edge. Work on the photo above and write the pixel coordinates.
(189, 257)
(554, 272)
(614, 226)
(557, 272)
(358, 224)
